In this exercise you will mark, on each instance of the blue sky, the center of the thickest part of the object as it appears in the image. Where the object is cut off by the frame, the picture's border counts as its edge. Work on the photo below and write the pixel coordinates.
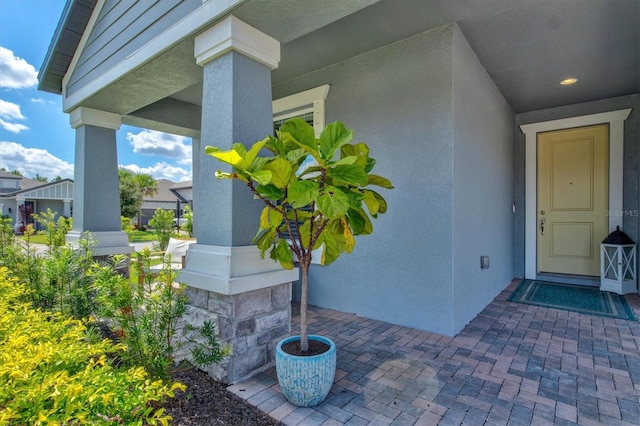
(35, 135)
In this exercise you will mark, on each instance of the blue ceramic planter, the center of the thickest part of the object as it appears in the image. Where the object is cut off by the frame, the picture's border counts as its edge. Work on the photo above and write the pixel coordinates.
(306, 380)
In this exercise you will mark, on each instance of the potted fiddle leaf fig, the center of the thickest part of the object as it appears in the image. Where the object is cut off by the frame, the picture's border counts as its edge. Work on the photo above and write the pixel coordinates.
(318, 195)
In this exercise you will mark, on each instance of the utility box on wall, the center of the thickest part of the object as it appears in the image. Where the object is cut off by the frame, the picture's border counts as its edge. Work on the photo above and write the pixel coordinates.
(618, 272)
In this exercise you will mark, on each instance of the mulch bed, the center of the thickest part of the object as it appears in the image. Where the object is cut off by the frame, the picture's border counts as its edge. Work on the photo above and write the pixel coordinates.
(207, 402)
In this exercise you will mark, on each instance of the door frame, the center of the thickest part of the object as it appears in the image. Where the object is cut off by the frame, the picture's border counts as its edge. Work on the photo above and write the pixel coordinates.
(615, 119)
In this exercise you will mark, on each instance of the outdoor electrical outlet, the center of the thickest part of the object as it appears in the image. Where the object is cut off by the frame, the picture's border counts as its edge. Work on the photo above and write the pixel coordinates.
(484, 262)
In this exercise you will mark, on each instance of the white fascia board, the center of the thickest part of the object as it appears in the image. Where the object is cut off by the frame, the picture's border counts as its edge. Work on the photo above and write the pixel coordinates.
(233, 34)
(194, 22)
(84, 116)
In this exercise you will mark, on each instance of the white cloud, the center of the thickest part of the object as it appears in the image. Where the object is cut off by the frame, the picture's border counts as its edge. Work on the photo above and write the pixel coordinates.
(12, 127)
(150, 142)
(10, 111)
(41, 101)
(32, 161)
(161, 170)
(15, 72)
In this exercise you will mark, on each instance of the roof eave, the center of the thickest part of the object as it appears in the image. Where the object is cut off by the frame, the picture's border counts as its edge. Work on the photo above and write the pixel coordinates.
(49, 78)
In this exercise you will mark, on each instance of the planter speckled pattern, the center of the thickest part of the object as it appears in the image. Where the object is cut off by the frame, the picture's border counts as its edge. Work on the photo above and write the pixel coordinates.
(306, 380)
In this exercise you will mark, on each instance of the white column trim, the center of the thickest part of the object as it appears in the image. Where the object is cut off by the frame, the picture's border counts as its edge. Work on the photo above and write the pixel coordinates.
(107, 242)
(615, 119)
(232, 270)
(84, 116)
(233, 34)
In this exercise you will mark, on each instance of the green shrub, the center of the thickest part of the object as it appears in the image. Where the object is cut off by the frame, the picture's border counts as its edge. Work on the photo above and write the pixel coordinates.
(55, 231)
(66, 283)
(52, 373)
(125, 224)
(188, 226)
(145, 318)
(162, 222)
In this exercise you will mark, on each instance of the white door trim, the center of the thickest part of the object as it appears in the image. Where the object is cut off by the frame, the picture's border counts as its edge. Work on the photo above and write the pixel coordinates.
(615, 119)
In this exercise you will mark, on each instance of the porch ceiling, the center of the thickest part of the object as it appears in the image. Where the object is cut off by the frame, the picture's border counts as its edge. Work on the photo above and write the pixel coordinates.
(527, 47)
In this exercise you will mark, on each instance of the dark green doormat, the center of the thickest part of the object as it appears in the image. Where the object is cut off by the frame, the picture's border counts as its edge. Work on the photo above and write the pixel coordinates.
(586, 300)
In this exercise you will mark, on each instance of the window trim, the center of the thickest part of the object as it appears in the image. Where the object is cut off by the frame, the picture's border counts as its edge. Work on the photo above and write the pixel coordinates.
(312, 100)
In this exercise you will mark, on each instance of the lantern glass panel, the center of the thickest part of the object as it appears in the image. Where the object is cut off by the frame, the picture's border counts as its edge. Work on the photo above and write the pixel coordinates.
(611, 263)
(627, 265)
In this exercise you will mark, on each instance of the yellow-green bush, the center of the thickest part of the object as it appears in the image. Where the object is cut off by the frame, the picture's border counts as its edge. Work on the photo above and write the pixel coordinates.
(52, 374)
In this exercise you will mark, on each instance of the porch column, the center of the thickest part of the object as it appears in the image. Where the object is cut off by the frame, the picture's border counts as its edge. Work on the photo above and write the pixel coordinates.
(96, 191)
(249, 297)
(18, 221)
(66, 207)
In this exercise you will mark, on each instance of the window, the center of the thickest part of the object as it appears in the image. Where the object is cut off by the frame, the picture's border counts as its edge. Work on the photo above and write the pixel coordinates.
(308, 104)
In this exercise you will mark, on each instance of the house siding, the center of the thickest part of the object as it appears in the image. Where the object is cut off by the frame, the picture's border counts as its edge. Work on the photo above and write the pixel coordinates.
(122, 28)
(398, 99)
(482, 185)
(631, 164)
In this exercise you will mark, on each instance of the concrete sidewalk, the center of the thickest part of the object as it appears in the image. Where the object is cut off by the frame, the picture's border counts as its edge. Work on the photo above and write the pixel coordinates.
(514, 364)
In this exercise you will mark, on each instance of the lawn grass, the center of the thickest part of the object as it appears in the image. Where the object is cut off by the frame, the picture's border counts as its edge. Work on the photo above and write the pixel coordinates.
(36, 239)
(141, 236)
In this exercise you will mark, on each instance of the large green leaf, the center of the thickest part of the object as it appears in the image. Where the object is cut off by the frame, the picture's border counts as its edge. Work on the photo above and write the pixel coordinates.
(229, 157)
(302, 192)
(382, 203)
(253, 153)
(281, 172)
(359, 222)
(300, 131)
(332, 246)
(333, 203)
(372, 202)
(350, 174)
(270, 218)
(263, 177)
(264, 240)
(304, 231)
(283, 254)
(380, 181)
(270, 192)
(239, 148)
(332, 138)
(359, 150)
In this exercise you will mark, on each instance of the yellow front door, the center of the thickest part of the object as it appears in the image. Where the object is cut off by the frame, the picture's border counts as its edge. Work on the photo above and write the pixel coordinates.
(573, 182)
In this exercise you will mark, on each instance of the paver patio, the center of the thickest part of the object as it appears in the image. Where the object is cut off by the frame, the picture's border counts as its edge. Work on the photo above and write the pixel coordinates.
(513, 364)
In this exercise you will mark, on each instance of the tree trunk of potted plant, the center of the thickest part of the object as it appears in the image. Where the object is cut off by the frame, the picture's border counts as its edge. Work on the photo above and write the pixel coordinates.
(320, 206)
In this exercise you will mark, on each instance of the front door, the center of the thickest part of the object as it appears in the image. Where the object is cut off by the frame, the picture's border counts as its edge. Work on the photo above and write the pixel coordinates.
(573, 182)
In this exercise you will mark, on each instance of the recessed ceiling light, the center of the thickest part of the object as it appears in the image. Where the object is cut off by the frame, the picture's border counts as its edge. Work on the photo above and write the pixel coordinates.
(569, 81)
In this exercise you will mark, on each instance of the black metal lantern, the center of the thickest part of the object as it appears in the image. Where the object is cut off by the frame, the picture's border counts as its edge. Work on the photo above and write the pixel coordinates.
(618, 263)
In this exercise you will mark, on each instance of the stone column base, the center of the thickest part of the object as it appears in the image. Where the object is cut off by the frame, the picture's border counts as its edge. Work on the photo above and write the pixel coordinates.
(252, 323)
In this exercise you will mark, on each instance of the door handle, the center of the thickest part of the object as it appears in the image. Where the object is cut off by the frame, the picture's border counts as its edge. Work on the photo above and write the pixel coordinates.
(542, 222)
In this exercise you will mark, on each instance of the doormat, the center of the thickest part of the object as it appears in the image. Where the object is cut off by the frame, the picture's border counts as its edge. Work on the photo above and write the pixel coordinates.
(575, 298)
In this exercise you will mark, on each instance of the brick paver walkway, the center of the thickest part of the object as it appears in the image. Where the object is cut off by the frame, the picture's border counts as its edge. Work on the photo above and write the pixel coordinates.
(514, 364)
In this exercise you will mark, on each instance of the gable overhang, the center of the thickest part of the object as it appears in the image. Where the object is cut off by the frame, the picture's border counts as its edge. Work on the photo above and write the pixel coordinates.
(60, 190)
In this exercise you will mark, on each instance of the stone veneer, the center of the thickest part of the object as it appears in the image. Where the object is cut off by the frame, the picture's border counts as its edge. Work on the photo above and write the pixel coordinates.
(252, 323)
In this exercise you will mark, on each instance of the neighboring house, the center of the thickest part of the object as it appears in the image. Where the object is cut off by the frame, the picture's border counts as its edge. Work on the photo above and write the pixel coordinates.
(449, 95)
(17, 190)
(184, 191)
(165, 199)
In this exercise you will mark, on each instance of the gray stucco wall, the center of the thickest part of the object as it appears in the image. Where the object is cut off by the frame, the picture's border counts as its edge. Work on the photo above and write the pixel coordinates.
(122, 28)
(482, 185)
(398, 99)
(631, 165)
